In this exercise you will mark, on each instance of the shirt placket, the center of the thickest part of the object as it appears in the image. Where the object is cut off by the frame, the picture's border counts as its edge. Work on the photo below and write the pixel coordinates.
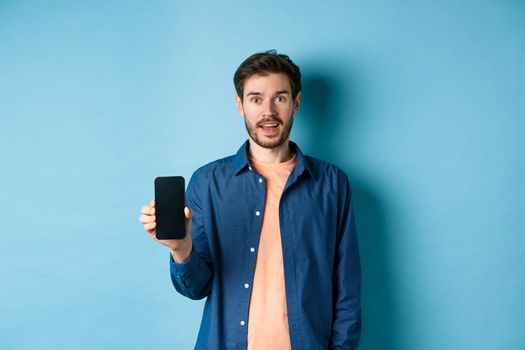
(259, 189)
(289, 265)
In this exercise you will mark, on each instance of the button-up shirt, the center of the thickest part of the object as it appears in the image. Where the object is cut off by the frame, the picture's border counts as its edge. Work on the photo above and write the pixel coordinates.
(319, 243)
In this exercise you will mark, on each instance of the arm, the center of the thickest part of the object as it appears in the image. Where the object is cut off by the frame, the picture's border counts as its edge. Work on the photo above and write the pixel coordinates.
(193, 276)
(346, 327)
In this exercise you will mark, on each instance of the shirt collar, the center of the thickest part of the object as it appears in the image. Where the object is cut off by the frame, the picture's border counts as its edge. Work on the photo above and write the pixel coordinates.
(241, 161)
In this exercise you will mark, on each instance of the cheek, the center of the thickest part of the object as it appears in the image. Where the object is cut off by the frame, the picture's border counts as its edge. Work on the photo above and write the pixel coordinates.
(250, 117)
(251, 112)
(285, 110)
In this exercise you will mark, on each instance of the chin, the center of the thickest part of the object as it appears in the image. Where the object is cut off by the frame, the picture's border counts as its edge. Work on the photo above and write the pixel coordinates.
(270, 143)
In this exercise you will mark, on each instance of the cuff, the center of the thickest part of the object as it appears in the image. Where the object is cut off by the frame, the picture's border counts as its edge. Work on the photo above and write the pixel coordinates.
(187, 266)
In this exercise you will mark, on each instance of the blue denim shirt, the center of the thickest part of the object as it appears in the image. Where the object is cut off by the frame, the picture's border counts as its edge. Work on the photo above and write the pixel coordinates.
(319, 243)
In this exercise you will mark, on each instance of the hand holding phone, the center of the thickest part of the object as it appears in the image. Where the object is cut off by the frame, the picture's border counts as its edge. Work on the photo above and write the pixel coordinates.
(180, 248)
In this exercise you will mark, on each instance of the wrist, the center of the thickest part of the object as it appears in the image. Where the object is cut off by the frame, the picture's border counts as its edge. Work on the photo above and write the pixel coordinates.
(181, 254)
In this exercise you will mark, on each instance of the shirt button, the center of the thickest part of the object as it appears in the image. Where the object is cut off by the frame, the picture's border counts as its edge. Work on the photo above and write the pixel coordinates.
(246, 285)
(260, 180)
(257, 213)
(250, 167)
(242, 323)
(252, 249)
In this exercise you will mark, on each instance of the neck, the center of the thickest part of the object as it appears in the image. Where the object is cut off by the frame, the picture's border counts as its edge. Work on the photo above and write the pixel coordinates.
(275, 155)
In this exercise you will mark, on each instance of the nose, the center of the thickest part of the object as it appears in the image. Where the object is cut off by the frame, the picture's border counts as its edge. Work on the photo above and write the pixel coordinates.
(269, 108)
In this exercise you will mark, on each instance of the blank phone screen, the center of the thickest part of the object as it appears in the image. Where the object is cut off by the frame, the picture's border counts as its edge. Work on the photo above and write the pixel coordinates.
(169, 207)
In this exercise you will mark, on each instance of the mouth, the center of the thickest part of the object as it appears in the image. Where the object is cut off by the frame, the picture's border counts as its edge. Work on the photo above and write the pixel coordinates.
(269, 127)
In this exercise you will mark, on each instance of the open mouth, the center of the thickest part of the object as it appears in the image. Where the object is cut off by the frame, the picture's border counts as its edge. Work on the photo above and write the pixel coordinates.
(269, 126)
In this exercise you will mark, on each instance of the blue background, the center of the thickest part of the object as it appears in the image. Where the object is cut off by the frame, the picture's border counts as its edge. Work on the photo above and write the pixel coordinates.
(420, 102)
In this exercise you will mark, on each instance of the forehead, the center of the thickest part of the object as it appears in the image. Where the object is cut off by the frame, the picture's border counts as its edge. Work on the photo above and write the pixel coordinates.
(267, 83)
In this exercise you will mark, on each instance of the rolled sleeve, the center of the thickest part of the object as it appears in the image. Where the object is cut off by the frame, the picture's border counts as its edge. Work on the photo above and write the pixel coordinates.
(191, 278)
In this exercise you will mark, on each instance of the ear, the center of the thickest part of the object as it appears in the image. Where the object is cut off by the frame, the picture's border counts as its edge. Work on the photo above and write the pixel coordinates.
(297, 102)
(238, 103)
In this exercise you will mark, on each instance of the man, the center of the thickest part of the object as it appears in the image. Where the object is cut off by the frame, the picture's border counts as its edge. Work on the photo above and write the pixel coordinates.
(271, 239)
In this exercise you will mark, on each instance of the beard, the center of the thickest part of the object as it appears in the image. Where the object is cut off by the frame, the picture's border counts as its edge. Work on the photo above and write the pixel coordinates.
(267, 142)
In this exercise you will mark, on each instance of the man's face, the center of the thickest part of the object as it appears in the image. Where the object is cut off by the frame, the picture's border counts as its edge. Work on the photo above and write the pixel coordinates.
(268, 108)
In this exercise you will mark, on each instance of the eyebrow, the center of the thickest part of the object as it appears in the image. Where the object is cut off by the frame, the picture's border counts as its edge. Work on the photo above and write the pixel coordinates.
(256, 93)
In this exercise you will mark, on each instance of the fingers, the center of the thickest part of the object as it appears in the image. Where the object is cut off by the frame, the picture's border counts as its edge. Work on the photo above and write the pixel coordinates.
(148, 210)
(146, 219)
(150, 226)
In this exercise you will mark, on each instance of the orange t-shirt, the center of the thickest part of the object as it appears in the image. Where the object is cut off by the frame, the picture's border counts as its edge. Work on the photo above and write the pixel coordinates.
(267, 316)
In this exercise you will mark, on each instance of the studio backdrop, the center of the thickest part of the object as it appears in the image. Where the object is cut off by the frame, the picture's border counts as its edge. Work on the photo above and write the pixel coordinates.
(421, 103)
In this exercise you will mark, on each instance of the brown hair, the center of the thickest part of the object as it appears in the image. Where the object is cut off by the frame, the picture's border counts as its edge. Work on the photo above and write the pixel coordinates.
(264, 63)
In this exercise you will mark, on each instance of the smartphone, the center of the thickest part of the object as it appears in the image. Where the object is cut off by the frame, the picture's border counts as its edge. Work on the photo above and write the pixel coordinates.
(169, 207)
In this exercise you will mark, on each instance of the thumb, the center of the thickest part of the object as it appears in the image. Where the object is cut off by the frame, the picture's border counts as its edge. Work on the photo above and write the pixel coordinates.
(188, 213)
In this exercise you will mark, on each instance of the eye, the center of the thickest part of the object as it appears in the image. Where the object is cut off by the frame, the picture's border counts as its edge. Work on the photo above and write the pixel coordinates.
(280, 99)
(255, 99)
